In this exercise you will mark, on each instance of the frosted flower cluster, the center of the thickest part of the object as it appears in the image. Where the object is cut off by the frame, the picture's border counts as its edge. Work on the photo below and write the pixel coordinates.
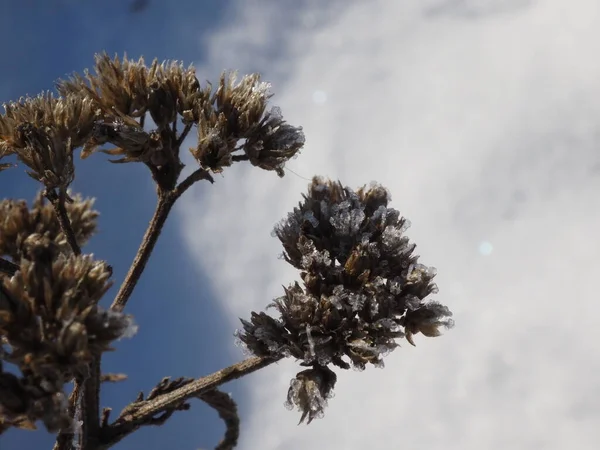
(362, 288)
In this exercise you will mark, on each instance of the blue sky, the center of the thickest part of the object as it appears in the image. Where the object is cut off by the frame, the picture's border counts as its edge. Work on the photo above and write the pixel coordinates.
(51, 40)
(480, 116)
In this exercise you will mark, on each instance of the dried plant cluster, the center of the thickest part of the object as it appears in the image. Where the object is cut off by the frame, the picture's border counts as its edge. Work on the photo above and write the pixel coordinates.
(362, 290)
(19, 221)
(51, 321)
(362, 287)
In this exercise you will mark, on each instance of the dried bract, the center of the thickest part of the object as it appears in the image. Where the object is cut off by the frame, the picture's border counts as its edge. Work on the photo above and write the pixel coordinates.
(362, 286)
(4, 152)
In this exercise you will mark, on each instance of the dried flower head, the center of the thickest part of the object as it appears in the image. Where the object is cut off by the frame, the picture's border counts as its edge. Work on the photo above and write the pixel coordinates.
(43, 131)
(273, 142)
(110, 105)
(362, 286)
(18, 221)
(52, 324)
(126, 91)
(310, 390)
(118, 87)
(236, 112)
(130, 88)
(23, 400)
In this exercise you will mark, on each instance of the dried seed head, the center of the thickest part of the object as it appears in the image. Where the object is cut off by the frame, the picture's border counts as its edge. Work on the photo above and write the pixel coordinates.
(51, 321)
(125, 91)
(362, 289)
(43, 131)
(18, 221)
(117, 86)
(273, 142)
(130, 88)
(110, 105)
(23, 402)
(237, 112)
(310, 390)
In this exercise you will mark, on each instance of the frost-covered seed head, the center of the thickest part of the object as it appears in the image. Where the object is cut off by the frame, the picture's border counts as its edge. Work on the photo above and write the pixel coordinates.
(362, 287)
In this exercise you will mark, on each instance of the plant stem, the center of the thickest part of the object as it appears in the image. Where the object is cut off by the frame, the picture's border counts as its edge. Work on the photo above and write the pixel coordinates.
(89, 407)
(64, 441)
(196, 175)
(147, 409)
(166, 200)
(163, 207)
(58, 202)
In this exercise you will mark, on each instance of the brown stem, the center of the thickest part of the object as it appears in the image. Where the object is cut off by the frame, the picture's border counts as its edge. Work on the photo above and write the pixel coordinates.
(90, 404)
(58, 202)
(182, 136)
(227, 410)
(201, 385)
(89, 408)
(166, 200)
(197, 175)
(147, 410)
(90, 391)
(163, 207)
(64, 441)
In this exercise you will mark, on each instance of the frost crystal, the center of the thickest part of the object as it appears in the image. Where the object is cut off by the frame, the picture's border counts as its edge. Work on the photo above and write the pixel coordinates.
(356, 301)
(311, 342)
(310, 216)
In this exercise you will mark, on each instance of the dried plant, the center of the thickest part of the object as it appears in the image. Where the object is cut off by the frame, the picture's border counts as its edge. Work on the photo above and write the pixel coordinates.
(362, 287)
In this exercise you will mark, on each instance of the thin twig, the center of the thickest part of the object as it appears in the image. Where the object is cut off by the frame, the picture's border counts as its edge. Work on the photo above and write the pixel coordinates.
(183, 135)
(163, 207)
(58, 202)
(196, 175)
(90, 391)
(201, 385)
(227, 410)
(166, 200)
(145, 411)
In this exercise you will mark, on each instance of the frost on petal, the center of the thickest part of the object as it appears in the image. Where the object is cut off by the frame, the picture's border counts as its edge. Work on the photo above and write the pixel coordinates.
(362, 287)
(310, 217)
(310, 390)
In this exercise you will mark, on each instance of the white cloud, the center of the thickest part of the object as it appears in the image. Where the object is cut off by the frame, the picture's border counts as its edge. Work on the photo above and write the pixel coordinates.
(482, 121)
